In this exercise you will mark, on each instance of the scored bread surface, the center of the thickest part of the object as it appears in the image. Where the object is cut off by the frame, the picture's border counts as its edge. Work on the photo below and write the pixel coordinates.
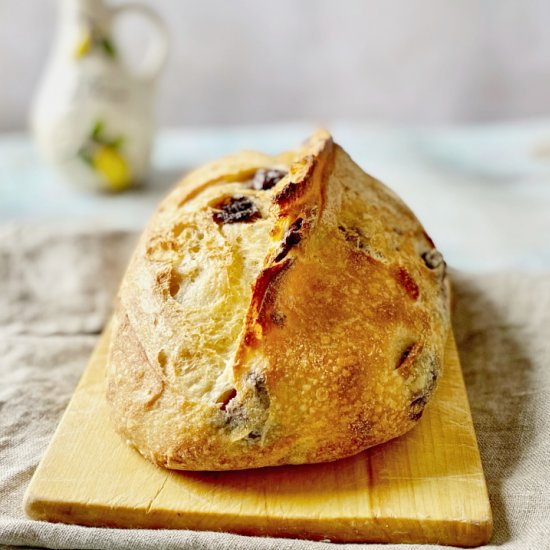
(296, 323)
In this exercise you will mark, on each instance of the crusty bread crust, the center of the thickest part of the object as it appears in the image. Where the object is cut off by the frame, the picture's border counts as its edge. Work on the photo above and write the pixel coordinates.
(299, 323)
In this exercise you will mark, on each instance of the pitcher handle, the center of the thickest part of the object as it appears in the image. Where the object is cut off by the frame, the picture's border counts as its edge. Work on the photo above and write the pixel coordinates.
(157, 53)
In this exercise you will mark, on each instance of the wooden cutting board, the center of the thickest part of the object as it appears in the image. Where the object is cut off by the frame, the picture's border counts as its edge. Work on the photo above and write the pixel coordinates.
(425, 487)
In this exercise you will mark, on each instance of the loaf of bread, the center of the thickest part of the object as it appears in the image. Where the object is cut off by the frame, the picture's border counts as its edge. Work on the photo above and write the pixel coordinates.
(277, 310)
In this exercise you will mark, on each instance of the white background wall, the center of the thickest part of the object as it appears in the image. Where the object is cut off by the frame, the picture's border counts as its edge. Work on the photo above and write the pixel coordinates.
(245, 61)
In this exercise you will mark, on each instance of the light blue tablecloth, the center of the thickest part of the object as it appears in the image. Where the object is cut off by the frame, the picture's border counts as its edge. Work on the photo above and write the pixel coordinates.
(482, 192)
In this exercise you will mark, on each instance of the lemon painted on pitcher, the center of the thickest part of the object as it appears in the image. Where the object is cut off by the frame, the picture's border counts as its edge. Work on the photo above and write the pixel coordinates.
(103, 155)
(84, 43)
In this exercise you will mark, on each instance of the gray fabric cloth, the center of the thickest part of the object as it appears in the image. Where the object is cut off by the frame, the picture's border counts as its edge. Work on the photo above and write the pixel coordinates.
(56, 291)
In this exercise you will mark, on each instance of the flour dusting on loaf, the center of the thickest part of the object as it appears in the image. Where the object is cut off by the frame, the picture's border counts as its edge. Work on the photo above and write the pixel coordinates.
(277, 310)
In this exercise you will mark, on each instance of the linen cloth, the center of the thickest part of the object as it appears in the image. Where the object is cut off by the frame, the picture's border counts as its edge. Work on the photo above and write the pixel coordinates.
(56, 290)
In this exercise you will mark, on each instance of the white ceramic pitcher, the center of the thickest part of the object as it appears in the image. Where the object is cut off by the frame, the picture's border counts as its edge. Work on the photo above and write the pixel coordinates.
(93, 115)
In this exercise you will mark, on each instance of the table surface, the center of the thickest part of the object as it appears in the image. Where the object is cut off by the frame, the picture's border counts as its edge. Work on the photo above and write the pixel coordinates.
(482, 192)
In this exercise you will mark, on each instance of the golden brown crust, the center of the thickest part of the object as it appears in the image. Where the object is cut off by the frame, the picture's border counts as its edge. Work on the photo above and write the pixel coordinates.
(298, 323)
